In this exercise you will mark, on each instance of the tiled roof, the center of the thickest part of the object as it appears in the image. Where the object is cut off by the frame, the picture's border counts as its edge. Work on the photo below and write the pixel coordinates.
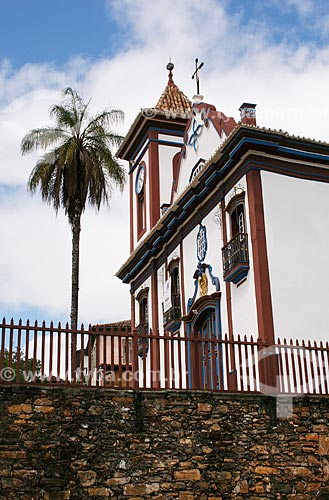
(117, 324)
(173, 99)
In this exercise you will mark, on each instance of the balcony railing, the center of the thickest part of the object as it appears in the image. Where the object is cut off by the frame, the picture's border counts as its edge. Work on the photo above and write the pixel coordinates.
(236, 258)
(172, 317)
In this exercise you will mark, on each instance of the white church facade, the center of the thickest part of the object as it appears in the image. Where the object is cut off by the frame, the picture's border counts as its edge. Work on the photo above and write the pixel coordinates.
(229, 225)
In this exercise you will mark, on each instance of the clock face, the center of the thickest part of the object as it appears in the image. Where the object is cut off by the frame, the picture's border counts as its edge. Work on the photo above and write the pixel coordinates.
(140, 179)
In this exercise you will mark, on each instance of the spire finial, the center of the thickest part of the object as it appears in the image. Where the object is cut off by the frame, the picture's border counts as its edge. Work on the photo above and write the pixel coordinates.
(170, 67)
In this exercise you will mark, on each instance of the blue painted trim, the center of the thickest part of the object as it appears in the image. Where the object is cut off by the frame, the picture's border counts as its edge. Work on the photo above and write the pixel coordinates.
(237, 274)
(202, 230)
(168, 131)
(192, 299)
(214, 279)
(148, 141)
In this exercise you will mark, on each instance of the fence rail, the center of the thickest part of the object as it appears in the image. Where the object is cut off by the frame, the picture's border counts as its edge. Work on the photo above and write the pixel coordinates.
(117, 357)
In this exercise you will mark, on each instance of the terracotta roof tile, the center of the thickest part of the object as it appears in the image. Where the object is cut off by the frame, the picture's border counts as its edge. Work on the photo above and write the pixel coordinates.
(173, 99)
(117, 324)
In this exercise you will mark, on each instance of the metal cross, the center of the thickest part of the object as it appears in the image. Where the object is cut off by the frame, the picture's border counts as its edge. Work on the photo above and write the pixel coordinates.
(196, 75)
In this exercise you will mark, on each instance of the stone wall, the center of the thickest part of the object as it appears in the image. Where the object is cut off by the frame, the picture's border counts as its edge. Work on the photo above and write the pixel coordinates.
(58, 444)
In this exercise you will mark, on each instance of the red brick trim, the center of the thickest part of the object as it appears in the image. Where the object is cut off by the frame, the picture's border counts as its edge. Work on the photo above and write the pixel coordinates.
(260, 260)
(182, 277)
(154, 183)
(155, 323)
(227, 284)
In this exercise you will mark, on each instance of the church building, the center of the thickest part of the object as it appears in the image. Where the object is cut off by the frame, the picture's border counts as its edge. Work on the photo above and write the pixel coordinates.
(229, 224)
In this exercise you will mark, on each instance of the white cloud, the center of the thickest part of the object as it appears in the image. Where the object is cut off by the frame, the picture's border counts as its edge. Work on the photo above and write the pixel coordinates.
(289, 87)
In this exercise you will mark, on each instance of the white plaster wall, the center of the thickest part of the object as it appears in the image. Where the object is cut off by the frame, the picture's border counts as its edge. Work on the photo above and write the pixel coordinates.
(190, 263)
(166, 154)
(297, 235)
(208, 142)
(243, 299)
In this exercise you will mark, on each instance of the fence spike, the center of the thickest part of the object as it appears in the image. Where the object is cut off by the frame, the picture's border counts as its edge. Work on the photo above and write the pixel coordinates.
(321, 344)
(36, 323)
(303, 343)
(297, 343)
(82, 327)
(51, 324)
(245, 338)
(67, 326)
(3, 320)
(43, 324)
(12, 321)
(20, 322)
(59, 325)
(28, 322)
(89, 327)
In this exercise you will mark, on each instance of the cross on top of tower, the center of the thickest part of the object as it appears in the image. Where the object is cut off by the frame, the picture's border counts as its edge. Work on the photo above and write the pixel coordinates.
(196, 75)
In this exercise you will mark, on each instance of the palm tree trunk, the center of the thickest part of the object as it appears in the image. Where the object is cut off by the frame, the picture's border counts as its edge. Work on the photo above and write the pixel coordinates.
(76, 228)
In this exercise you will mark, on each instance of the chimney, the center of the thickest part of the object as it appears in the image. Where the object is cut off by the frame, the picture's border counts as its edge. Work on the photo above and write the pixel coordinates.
(248, 113)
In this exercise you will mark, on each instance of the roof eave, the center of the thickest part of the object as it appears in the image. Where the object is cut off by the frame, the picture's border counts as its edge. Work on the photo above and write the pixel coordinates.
(146, 115)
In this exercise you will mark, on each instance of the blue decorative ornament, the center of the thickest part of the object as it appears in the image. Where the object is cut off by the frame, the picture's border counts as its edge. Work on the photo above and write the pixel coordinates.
(201, 243)
(196, 132)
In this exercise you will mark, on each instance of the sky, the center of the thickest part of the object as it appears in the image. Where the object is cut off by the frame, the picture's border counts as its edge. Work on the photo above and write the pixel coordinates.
(274, 53)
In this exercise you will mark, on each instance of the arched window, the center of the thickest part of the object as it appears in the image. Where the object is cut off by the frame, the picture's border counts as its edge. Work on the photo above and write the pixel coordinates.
(142, 299)
(143, 311)
(172, 307)
(174, 278)
(236, 211)
(237, 220)
(235, 253)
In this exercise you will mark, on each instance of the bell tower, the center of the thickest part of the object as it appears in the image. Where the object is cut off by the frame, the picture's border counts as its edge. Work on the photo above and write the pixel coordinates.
(153, 147)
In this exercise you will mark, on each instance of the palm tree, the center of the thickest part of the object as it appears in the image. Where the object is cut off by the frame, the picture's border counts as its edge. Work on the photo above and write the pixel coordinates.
(79, 167)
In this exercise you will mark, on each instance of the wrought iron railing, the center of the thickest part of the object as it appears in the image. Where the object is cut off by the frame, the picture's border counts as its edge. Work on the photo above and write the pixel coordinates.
(235, 252)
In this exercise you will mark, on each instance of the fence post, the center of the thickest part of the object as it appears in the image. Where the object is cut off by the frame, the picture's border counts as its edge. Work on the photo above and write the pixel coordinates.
(268, 366)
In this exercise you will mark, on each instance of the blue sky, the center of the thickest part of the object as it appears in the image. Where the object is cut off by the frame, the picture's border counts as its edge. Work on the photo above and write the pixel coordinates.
(45, 31)
(271, 52)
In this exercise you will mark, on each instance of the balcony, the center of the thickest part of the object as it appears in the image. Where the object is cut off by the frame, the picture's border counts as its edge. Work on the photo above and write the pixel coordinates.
(172, 317)
(236, 258)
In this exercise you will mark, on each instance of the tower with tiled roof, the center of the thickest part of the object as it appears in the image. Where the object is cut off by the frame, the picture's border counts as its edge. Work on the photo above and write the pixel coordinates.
(152, 147)
(172, 98)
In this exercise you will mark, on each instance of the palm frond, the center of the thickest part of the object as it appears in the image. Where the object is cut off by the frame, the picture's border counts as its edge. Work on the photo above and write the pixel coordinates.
(42, 138)
(81, 168)
(103, 120)
(63, 116)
